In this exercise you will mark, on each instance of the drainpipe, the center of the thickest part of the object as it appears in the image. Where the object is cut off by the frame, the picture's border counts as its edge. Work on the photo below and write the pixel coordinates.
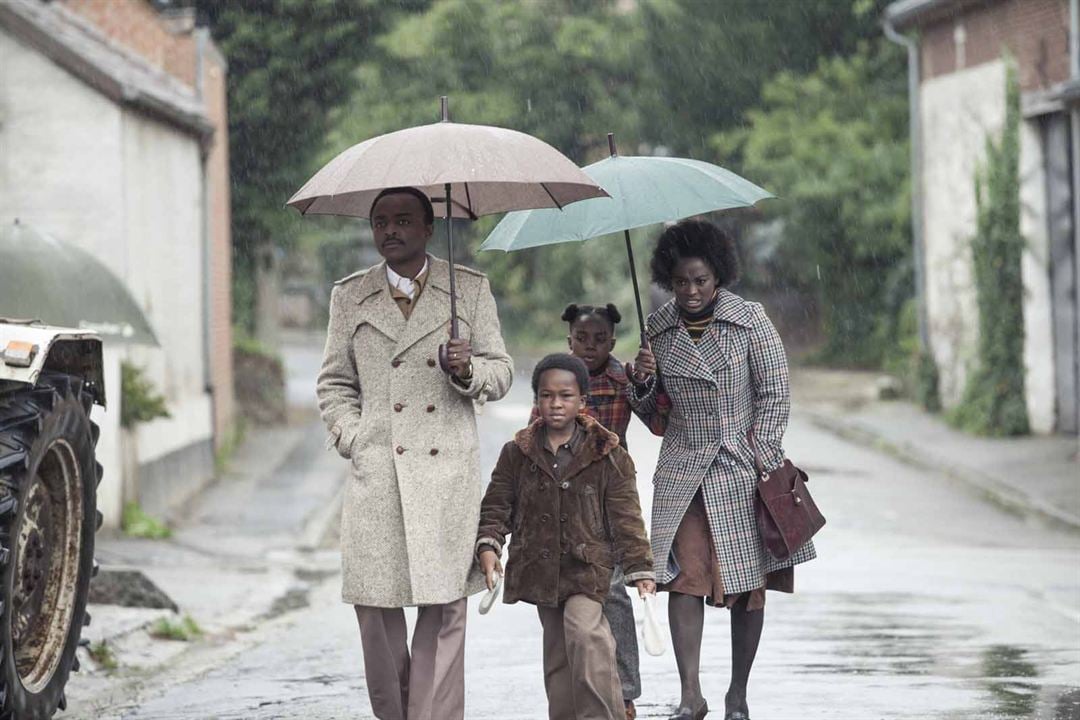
(1074, 122)
(916, 177)
(201, 37)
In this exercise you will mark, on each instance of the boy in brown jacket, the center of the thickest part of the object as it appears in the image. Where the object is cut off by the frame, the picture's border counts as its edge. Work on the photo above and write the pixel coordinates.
(565, 492)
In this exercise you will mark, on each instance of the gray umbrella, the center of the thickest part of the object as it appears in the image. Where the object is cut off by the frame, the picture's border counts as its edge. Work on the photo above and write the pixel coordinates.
(60, 284)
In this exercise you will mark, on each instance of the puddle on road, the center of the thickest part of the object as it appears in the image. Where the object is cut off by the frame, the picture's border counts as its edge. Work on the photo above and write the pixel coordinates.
(941, 649)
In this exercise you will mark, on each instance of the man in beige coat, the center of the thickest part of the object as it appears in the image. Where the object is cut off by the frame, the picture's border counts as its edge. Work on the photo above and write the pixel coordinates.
(409, 430)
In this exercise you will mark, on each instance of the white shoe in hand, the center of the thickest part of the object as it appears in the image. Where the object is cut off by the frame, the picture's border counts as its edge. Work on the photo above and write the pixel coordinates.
(651, 635)
(492, 595)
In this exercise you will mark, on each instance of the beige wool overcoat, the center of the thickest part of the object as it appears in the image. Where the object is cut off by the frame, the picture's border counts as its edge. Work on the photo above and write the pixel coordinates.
(412, 503)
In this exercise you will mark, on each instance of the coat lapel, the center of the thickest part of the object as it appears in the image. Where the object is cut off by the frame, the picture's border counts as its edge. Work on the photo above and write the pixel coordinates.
(432, 309)
(376, 307)
(710, 355)
(683, 358)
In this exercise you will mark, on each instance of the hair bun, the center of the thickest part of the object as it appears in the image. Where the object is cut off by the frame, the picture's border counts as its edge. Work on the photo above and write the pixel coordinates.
(613, 313)
(570, 314)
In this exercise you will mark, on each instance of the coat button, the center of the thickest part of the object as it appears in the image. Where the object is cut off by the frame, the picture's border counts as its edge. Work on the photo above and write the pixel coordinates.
(398, 407)
(434, 451)
(562, 518)
(545, 554)
(400, 450)
(564, 484)
(395, 362)
(431, 362)
(544, 518)
(431, 408)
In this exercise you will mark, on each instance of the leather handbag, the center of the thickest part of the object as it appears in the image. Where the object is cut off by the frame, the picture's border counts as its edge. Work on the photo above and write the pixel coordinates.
(787, 517)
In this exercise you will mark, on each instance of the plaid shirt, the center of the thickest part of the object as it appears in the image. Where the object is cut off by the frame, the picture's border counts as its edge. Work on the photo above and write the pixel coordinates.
(609, 404)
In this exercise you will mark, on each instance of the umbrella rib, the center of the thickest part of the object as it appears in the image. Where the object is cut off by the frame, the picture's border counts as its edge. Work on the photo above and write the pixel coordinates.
(557, 203)
(468, 201)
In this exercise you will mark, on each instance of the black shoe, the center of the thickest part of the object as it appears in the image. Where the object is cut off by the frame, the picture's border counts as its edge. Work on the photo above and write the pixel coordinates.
(685, 713)
(736, 715)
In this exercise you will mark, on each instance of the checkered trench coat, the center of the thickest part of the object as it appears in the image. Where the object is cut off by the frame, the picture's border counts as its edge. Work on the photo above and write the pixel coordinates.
(735, 378)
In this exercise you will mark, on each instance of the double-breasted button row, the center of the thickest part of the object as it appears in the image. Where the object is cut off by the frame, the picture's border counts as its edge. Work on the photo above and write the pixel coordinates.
(401, 451)
(396, 362)
(398, 407)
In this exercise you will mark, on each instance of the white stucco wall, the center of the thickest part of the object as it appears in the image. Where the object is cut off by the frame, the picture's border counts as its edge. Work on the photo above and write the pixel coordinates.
(129, 190)
(110, 496)
(1035, 268)
(957, 112)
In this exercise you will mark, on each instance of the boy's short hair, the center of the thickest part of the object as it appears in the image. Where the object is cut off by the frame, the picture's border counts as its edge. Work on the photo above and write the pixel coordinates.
(562, 361)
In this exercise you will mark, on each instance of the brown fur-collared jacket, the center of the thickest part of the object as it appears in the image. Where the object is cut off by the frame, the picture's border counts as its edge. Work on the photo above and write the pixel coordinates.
(565, 536)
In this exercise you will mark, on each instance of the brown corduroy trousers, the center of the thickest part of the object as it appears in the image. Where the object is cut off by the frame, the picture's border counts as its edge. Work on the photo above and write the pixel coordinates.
(580, 675)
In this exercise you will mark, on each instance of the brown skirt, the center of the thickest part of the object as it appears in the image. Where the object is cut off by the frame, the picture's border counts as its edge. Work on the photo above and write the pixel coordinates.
(699, 569)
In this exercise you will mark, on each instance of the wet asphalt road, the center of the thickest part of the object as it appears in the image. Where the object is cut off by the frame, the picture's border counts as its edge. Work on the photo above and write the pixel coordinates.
(926, 602)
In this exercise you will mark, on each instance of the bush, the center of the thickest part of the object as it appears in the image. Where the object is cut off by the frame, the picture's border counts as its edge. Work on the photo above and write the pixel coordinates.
(139, 401)
(259, 381)
(183, 630)
(136, 523)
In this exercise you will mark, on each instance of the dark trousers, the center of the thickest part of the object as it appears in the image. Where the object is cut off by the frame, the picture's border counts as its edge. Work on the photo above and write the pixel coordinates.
(620, 616)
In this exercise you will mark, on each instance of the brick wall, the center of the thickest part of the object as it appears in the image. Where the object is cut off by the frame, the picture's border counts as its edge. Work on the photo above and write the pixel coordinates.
(220, 216)
(1035, 32)
(138, 27)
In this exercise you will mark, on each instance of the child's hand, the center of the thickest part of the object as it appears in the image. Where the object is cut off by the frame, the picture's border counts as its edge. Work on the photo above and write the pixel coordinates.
(489, 563)
(644, 587)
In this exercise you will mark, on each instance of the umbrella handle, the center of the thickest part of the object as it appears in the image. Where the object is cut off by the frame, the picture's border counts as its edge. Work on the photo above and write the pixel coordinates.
(637, 292)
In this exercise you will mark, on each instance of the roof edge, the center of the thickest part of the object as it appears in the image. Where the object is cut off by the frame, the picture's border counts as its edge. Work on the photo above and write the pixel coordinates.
(906, 14)
(27, 24)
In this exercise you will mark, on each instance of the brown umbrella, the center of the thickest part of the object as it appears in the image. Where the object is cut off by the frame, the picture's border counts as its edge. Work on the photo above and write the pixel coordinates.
(466, 170)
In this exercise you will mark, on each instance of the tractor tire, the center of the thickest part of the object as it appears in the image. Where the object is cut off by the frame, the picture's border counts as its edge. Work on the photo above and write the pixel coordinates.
(48, 517)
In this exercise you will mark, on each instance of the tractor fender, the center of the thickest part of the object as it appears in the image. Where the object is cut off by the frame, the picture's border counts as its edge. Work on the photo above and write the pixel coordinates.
(67, 350)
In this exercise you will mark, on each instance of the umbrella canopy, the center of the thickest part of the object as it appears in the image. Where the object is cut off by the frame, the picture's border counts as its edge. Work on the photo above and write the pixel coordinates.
(643, 191)
(465, 170)
(489, 170)
(60, 284)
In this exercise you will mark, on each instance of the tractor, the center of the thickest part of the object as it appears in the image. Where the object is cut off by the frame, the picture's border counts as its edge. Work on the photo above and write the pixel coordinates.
(50, 378)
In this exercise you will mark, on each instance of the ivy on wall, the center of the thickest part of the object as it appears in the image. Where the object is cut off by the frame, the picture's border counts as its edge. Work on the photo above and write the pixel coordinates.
(993, 402)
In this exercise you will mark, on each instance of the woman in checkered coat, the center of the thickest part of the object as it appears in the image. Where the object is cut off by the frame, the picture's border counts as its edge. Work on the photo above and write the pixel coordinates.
(723, 366)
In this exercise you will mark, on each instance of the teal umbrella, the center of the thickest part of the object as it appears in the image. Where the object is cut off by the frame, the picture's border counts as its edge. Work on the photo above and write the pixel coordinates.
(60, 284)
(644, 191)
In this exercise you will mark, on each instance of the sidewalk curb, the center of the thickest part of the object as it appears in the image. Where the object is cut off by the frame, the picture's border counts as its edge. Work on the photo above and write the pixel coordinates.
(318, 524)
(993, 490)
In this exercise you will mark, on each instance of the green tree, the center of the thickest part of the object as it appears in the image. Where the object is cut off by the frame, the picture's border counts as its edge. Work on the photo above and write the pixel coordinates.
(563, 71)
(833, 145)
(707, 62)
(290, 63)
